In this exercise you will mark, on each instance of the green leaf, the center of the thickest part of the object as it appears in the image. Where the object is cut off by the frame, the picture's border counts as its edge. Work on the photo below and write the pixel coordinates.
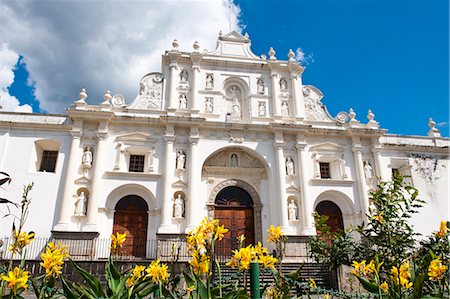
(368, 286)
(91, 280)
(67, 290)
(148, 290)
(418, 286)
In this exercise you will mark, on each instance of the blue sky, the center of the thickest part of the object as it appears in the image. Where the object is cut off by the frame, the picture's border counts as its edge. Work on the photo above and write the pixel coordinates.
(388, 56)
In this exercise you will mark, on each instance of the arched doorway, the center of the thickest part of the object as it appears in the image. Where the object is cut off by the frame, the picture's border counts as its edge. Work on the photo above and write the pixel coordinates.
(329, 208)
(234, 209)
(131, 217)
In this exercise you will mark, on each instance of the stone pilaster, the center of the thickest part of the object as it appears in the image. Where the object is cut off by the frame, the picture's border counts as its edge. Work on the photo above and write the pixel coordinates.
(195, 57)
(173, 96)
(362, 186)
(193, 215)
(276, 100)
(281, 182)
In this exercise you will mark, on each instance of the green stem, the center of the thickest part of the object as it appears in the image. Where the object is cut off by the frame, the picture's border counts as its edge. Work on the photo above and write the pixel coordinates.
(220, 277)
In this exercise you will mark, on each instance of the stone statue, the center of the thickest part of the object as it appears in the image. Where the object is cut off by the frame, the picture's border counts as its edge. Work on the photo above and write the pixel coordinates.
(290, 168)
(292, 210)
(209, 81)
(178, 207)
(368, 172)
(262, 109)
(209, 105)
(183, 76)
(183, 101)
(260, 86)
(181, 159)
(234, 160)
(87, 156)
(81, 204)
(283, 84)
(285, 109)
(236, 108)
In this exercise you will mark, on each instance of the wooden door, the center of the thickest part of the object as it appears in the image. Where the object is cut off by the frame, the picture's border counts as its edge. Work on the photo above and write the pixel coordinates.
(131, 217)
(335, 221)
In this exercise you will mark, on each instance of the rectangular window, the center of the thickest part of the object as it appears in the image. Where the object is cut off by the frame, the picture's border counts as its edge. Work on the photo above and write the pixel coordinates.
(325, 170)
(395, 172)
(137, 163)
(48, 161)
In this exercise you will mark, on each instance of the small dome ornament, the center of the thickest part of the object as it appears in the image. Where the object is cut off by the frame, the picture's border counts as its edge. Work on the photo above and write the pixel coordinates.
(107, 96)
(263, 56)
(372, 123)
(196, 46)
(83, 95)
(370, 115)
(291, 55)
(175, 45)
(433, 132)
(272, 54)
(351, 116)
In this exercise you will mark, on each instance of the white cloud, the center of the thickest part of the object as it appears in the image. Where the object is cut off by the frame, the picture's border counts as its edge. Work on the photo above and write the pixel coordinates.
(442, 124)
(104, 45)
(8, 62)
(303, 58)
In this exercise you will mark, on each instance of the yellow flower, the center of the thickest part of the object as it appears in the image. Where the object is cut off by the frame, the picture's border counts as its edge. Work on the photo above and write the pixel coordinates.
(118, 240)
(384, 287)
(275, 234)
(190, 289)
(373, 268)
(378, 217)
(53, 259)
(16, 279)
(242, 258)
(401, 277)
(220, 232)
(443, 230)
(312, 283)
(326, 296)
(158, 272)
(241, 239)
(436, 270)
(268, 261)
(358, 268)
(199, 263)
(21, 239)
(136, 274)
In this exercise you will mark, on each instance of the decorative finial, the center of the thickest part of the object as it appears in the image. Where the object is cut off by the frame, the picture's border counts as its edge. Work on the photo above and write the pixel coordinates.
(351, 116)
(263, 56)
(272, 54)
(433, 132)
(107, 96)
(196, 46)
(372, 123)
(83, 95)
(291, 55)
(370, 115)
(246, 35)
(175, 44)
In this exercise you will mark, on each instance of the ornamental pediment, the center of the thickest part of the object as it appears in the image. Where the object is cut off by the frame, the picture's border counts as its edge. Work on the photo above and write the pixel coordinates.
(135, 137)
(315, 110)
(327, 147)
(234, 44)
(150, 94)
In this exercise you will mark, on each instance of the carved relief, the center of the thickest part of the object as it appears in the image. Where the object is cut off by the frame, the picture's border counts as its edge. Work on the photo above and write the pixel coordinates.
(182, 101)
(184, 76)
(315, 110)
(262, 109)
(285, 108)
(260, 86)
(209, 105)
(209, 81)
(150, 93)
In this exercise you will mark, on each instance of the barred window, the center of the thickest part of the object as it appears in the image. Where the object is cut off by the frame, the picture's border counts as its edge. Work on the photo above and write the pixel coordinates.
(48, 161)
(137, 163)
(325, 170)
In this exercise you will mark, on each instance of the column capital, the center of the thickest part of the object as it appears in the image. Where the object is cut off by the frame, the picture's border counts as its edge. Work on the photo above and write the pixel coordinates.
(376, 150)
(194, 140)
(101, 135)
(300, 146)
(169, 138)
(357, 148)
(76, 134)
(279, 144)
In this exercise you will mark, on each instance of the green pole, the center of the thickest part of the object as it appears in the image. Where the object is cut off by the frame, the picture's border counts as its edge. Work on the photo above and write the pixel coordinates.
(254, 280)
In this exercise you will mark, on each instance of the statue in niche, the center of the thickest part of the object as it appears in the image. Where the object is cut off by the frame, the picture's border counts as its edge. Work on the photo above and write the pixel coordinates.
(183, 102)
(368, 172)
(262, 109)
(234, 160)
(183, 76)
(87, 156)
(181, 159)
(178, 207)
(209, 105)
(236, 108)
(209, 81)
(292, 207)
(81, 205)
(283, 84)
(290, 168)
(285, 109)
(260, 86)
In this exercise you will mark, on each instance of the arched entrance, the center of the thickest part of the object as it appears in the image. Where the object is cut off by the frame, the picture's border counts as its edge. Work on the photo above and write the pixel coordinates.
(131, 217)
(329, 208)
(234, 209)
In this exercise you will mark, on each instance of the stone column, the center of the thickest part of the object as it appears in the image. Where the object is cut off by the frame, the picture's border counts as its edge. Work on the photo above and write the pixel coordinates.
(276, 100)
(362, 186)
(169, 168)
(96, 192)
(67, 205)
(307, 206)
(173, 96)
(297, 95)
(195, 58)
(281, 176)
(193, 215)
(376, 150)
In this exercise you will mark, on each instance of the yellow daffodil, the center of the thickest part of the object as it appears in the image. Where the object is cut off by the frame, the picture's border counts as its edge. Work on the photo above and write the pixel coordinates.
(378, 217)
(242, 258)
(157, 272)
(443, 230)
(436, 270)
(275, 234)
(53, 259)
(21, 239)
(384, 287)
(268, 261)
(401, 276)
(16, 279)
(358, 268)
(118, 241)
(199, 263)
(220, 232)
(136, 274)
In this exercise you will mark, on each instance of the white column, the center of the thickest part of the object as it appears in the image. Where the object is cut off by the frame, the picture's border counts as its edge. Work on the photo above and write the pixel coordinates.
(276, 100)
(67, 206)
(194, 93)
(193, 213)
(281, 176)
(307, 204)
(376, 150)
(362, 186)
(297, 95)
(169, 168)
(97, 178)
(173, 96)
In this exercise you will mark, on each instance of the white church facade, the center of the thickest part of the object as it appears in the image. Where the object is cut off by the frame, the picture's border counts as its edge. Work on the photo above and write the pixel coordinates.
(223, 134)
